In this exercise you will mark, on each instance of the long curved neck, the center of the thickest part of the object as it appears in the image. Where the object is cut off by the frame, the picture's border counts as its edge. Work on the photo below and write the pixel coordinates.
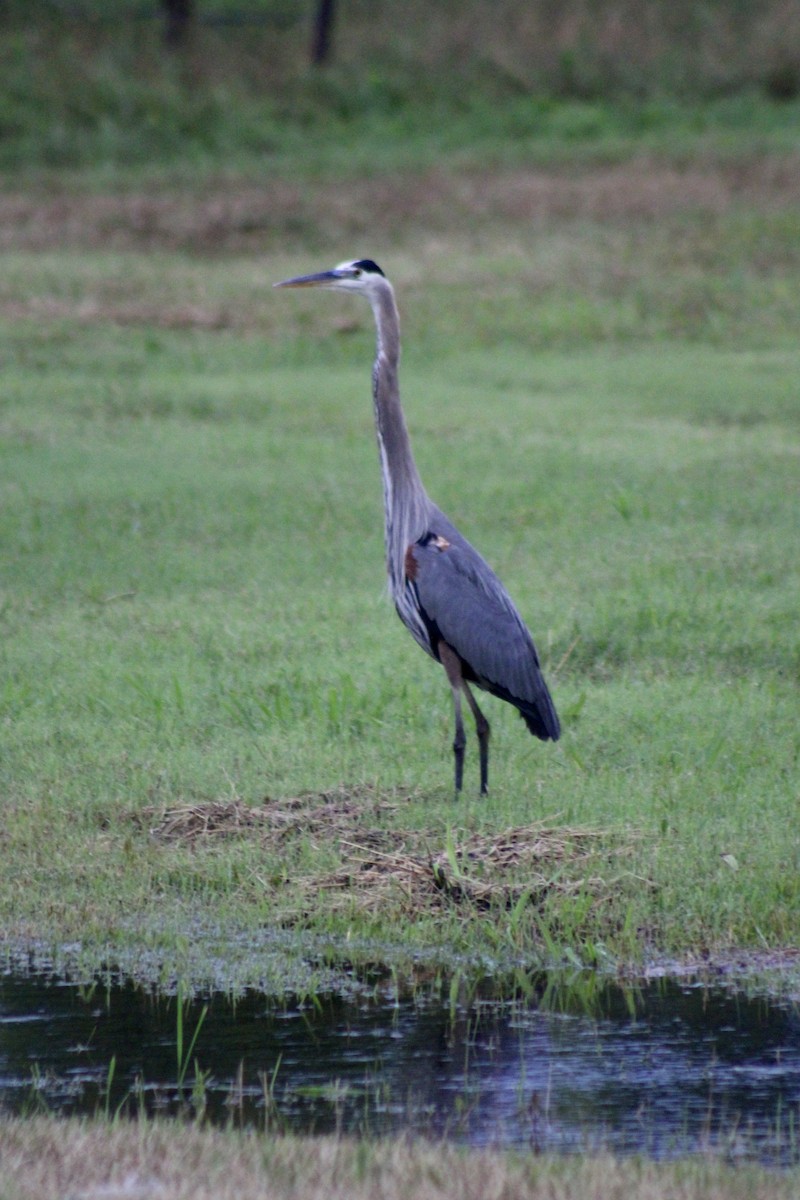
(406, 503)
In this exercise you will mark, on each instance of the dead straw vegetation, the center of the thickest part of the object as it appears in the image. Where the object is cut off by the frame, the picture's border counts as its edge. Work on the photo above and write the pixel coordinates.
(387, 868)
(48, 1159)
(239, 216)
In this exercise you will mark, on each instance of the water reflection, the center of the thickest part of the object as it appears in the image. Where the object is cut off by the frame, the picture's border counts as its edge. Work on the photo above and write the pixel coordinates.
(669, 1068)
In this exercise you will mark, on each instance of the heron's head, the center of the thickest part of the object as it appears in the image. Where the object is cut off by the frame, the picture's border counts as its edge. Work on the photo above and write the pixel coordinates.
(361, 275)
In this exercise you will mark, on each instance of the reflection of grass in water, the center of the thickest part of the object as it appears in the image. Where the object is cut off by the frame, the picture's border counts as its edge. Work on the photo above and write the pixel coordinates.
(184, 1056)
(552, 1115)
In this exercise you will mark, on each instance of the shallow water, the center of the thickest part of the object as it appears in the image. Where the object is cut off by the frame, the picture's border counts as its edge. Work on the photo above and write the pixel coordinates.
(667, 1068)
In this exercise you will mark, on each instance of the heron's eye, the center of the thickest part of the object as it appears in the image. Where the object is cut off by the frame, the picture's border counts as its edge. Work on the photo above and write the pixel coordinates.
(357, 272)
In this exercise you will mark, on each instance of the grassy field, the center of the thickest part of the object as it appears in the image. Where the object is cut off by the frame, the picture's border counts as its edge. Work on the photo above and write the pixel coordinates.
(89, 87)
(47, 1160)
(193, 603)
(221, 758)
(599, 291)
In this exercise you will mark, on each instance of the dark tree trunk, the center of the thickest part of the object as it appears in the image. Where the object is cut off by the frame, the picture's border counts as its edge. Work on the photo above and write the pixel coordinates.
(178, 16)
(323, 27)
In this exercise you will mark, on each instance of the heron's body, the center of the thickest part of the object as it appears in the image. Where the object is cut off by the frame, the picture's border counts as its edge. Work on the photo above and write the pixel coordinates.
(444, 592)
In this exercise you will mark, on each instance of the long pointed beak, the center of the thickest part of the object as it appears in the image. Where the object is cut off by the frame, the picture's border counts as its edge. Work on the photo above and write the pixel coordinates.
(319, 280)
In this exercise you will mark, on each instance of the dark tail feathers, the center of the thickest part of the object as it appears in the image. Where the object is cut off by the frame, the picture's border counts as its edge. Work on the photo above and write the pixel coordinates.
(542, 718)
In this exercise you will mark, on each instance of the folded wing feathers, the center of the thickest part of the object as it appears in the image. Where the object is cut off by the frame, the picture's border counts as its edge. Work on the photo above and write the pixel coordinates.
(464, 599)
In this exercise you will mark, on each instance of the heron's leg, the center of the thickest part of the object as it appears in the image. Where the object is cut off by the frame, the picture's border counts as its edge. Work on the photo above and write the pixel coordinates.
(459, 741)
(483, 730)
(452, 665)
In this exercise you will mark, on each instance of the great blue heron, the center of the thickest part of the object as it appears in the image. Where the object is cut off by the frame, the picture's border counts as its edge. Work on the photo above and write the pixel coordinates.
(448, 598)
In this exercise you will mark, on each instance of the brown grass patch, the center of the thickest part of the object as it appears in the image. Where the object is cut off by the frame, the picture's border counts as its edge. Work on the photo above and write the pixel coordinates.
(339, 813)
(499, 870)
(238, 216)
(49, 1159)
(384, 866)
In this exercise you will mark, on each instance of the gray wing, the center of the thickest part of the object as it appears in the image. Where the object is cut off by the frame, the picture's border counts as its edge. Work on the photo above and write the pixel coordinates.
(462, 601)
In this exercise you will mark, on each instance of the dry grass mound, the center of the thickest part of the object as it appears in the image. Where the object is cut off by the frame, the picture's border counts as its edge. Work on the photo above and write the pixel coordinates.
(338, 813)
(386, 866)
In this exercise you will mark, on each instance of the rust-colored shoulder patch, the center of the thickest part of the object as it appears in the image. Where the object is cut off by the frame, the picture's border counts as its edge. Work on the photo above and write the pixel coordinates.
(433, 540)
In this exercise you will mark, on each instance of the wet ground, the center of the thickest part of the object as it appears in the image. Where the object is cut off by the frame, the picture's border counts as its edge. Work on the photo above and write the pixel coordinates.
(668, 1067)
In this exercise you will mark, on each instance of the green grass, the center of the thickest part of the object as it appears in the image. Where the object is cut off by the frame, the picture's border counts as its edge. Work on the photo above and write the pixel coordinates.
(192, 609)
(93, 89)
(600, 290)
